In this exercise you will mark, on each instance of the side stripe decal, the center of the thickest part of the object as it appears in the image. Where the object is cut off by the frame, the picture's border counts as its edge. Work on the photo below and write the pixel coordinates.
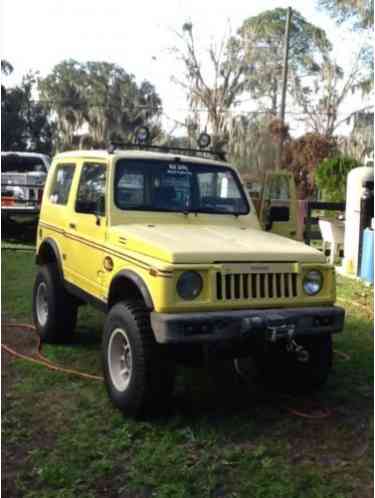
(94, 245)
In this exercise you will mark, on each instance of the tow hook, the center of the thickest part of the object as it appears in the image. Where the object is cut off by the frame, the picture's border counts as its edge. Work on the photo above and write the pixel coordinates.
(301, 353)
(286, 332)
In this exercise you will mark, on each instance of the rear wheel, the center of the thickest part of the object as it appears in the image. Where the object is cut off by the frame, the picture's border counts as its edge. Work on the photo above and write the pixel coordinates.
(54, 310)
(138, 372)
(289, 372)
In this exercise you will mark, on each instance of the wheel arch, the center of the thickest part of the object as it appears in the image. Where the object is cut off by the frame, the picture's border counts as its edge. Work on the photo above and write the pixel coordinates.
(128, 284)
(49, 252)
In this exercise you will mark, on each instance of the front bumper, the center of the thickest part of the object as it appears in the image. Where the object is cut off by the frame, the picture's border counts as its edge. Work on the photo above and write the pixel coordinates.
(265, 324)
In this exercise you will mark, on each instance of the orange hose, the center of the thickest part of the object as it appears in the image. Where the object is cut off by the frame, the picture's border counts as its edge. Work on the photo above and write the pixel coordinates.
(323, 414)
(42, 359)
(48, 364)
(342, 355)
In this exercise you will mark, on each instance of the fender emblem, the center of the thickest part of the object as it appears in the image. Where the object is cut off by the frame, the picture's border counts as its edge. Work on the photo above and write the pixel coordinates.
(108, 263)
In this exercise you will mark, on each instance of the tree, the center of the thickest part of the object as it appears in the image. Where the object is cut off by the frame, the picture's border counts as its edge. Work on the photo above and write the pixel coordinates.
(62, 93)
(214, 87)
(13, 126)
(262, 39)
(102, 96)
(358, 12)
(39, 127)
(6, 70)
(251, 145)
(116, 105)
(360, 143)
(330, 177)
(25, 124)
(6, 67)
(359, 15)
(321, 98)
(302, 155)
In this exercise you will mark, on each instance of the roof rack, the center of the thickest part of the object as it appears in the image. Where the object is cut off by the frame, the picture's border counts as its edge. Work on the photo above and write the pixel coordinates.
(165, 148)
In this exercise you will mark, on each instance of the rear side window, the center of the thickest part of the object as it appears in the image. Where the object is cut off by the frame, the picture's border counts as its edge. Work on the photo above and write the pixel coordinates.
(62, 183)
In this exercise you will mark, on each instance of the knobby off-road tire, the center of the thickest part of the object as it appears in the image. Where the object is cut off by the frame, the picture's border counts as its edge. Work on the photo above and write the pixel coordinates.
(138, 372)
(54, 310)
(282, 370)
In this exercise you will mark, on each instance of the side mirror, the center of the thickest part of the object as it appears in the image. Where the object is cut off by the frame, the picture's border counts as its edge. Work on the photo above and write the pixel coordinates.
(277, 213)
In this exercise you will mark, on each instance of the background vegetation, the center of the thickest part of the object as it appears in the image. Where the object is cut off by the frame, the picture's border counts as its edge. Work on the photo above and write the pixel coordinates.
(89, 103)
(331, 176)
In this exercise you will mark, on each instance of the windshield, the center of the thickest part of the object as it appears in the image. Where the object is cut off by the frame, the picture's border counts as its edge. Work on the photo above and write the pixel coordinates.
(176, 186)
(13, 163)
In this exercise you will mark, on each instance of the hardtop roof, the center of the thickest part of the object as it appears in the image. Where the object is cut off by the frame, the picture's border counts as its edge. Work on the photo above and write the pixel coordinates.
(137, 154)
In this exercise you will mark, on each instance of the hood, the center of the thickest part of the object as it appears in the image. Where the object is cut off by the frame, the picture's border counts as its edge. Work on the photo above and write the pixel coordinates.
(211, 243)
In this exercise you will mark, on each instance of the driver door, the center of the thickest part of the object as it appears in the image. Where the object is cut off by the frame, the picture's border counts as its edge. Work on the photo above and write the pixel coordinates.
(278, 209)
(87, 230)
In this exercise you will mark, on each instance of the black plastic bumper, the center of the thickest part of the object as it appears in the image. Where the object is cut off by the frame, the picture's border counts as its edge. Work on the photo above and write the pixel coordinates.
(265, 324)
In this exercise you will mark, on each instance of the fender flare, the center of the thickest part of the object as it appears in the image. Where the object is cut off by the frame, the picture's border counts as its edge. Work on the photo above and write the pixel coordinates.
(55, 249)
(138, 281)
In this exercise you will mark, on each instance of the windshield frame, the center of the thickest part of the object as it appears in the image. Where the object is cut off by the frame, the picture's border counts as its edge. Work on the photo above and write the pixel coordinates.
(191, 165)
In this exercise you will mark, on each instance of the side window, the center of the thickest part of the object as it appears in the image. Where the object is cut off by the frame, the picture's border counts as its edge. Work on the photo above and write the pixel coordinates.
(91, 189)
(60, 189)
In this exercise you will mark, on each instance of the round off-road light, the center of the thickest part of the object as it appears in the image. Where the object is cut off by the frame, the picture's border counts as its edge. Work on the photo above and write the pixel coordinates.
(142, 135)
(189, 285)
(204, 140)
(312, 282)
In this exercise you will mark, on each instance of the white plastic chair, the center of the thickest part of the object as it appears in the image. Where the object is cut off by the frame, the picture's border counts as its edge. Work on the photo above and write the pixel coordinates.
(333, 237)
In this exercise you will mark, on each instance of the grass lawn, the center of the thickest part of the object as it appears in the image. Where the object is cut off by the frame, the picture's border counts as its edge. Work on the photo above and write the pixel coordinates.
(64, 439)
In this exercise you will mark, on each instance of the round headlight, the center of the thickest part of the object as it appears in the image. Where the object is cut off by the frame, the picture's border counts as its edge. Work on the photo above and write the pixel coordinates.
(313, 282)
(189, 285)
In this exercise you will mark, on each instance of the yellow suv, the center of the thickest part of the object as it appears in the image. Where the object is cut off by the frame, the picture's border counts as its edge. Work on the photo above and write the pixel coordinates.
(168, 244)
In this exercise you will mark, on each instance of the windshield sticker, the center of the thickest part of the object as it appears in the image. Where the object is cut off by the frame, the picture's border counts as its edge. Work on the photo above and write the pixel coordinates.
(178, 169)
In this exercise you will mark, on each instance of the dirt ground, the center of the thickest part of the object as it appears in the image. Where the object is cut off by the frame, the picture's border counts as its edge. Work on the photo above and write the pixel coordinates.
(26, 342)
(20, 339)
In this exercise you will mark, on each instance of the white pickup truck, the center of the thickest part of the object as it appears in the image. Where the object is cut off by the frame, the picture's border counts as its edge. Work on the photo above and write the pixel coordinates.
(23, 175)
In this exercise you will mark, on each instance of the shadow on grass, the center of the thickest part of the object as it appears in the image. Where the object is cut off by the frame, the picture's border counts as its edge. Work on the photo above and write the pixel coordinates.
(217, 393)
(86, 338)
(19, 231)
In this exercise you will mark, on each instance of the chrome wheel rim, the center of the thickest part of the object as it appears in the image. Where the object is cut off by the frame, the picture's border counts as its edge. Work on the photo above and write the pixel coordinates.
(120, 360)
(42, 304)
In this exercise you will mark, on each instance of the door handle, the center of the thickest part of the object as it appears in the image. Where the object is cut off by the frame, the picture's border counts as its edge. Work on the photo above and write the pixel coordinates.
(73, 226)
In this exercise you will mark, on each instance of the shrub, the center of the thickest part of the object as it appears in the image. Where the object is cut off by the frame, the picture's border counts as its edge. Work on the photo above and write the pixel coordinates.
(330, 177)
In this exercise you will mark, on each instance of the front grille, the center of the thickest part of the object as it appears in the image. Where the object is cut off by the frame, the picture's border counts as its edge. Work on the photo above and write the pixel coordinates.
(243, 286)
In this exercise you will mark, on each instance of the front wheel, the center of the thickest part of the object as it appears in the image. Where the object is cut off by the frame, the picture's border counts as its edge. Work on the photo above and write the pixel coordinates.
(138, 373)
(285, 370)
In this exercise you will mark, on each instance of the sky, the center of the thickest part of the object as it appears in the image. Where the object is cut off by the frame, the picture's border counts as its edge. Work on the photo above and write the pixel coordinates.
(137, 35)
